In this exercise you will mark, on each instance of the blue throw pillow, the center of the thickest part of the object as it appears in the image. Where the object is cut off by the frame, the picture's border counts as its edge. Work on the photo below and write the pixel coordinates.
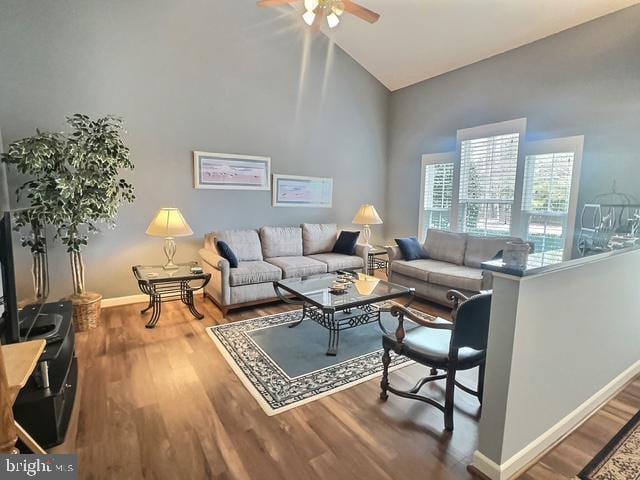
(226, 252)
(411, 248)
(346, 243)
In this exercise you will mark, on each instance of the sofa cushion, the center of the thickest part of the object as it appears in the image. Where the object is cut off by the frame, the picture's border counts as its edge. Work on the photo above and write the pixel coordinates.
(318, 237)
(225, 252)
(446, 246)
(481, 249)
(257, 271)
(458, 277)
(346, 243)
(244, 243)
(293, 267)
(338, 261)
(411, 248)
(281, 241)
(418, 269)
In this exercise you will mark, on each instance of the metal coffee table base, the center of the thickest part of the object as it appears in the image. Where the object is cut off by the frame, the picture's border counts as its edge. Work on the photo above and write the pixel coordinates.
(338, 321)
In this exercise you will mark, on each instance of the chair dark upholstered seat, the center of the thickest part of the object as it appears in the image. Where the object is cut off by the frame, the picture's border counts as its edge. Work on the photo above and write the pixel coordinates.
(441, 345)
(432, 346)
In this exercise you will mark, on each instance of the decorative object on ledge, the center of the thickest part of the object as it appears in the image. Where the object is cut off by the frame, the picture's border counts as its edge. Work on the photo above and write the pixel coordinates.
(332, 10)
(75, 185)
(297, 191)
(169, 223)
(516, 254)
(367, 216)
(230, 172)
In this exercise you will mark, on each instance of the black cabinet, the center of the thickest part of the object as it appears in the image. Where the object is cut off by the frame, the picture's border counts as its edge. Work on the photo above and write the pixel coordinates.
(43, 407)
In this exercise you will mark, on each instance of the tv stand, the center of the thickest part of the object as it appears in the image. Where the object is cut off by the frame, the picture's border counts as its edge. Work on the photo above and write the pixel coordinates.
(44, 405)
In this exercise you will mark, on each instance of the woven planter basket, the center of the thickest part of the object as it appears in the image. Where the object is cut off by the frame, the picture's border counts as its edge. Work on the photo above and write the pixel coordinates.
(86, 311)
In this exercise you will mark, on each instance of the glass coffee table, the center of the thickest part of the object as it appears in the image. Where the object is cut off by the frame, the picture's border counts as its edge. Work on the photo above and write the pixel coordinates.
(339, 311)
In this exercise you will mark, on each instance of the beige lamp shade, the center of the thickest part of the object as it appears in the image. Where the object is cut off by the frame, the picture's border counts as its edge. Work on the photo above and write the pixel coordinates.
(367, 215)
(169, 222)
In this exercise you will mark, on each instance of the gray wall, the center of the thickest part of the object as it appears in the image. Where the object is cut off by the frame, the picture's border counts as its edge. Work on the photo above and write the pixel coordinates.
(583, 81)
(213, 75)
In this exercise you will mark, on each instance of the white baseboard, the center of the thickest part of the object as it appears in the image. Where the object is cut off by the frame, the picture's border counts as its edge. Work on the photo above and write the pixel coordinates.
(542, 444)
(129, 299)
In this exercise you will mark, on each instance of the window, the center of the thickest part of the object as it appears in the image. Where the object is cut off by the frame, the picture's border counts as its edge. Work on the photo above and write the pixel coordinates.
(496, 185)
(487, 183)
(437, 192)
(548, 212)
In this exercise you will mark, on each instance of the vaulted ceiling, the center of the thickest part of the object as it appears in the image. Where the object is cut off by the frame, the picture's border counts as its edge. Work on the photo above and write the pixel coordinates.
(418, 39)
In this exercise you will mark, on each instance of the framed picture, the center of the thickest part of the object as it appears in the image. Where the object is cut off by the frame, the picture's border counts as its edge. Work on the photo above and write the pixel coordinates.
(231, 172)
(293, 191)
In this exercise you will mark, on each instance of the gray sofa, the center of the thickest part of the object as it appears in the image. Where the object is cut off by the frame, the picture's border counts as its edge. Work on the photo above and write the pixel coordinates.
(270, 254)
(454, 263)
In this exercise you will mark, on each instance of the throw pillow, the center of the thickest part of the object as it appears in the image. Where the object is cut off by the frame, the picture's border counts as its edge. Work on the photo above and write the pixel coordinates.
(226, 252)
(346, 243)
(411, 248)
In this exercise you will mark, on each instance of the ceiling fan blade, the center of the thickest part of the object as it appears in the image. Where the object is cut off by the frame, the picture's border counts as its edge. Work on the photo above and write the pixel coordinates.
(361, 12)
(274, 3)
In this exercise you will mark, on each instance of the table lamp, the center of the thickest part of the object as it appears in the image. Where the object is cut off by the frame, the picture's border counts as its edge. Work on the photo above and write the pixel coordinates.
(169, 223)
(366, 216)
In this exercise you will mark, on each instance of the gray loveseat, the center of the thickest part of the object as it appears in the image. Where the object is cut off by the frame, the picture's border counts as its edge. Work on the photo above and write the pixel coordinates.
(454, 263)
(270, 254)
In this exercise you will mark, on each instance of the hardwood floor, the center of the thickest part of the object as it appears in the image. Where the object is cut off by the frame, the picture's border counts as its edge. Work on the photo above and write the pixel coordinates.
(569, 457)
(163, 404)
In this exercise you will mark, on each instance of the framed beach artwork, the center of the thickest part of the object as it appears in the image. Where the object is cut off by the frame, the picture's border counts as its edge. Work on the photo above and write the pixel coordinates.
(294, 191)
(231, 172)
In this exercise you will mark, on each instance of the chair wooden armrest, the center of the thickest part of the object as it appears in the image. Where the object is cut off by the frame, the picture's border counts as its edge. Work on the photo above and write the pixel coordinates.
(456, 298)
(401, 313)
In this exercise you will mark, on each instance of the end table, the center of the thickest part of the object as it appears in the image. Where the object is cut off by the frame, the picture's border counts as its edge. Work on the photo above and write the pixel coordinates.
(374, 260)
(168, 285)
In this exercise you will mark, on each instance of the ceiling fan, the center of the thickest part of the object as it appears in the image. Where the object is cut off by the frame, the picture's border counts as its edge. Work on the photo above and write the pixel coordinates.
(332, 10)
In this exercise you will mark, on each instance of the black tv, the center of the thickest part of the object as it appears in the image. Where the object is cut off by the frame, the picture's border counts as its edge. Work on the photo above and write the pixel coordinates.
(23, 317)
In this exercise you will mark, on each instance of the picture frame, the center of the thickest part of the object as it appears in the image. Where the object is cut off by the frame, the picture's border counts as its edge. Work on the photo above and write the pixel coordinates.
(300, 191)
(225, 171)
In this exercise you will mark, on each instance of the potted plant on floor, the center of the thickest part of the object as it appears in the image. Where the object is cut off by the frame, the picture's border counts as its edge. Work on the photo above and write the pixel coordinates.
(84, 169)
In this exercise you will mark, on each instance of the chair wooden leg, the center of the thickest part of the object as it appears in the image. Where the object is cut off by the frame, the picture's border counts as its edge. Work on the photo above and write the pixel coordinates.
(481, 382)
(448, 402)
(384, 383)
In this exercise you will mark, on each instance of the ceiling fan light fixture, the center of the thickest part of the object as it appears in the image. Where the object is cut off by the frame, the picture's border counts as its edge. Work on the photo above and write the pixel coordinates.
(332, 20)
(338, 8)
(309, 17)
(311, 5)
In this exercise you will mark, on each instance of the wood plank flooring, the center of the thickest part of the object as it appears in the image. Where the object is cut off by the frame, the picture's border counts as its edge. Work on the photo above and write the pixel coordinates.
(163, 404)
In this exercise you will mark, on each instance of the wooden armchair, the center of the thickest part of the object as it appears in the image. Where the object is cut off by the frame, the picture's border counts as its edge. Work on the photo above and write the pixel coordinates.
(441, 345)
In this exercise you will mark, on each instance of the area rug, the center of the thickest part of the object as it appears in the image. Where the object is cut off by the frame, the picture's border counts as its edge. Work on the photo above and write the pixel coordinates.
(284, 367)
(620, 458)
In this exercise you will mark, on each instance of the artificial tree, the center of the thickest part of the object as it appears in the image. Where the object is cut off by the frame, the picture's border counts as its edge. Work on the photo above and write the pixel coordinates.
(75, 182)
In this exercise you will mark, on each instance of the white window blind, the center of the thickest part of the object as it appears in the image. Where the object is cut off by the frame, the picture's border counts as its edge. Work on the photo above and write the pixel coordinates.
(438, 190)
(487, 183)
(545, 203)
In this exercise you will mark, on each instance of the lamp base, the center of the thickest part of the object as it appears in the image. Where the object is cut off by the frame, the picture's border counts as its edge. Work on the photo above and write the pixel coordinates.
(169, 249)
(366, 233)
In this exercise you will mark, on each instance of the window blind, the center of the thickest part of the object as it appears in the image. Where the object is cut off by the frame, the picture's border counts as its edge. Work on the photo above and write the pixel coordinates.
(545, 202)
(437, 198)
(487, 183)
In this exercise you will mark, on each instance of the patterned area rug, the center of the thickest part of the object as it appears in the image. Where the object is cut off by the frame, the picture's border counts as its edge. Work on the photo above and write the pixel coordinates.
(286, 367)
(620, 458)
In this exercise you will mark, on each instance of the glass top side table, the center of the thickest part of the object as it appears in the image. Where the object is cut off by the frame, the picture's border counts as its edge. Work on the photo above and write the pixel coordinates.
(375, 262)
(168, 285)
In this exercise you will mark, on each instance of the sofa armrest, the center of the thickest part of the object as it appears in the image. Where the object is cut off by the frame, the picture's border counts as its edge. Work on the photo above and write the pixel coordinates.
(362, 251)
(394, 253)
(218, 288)
(214, 260)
